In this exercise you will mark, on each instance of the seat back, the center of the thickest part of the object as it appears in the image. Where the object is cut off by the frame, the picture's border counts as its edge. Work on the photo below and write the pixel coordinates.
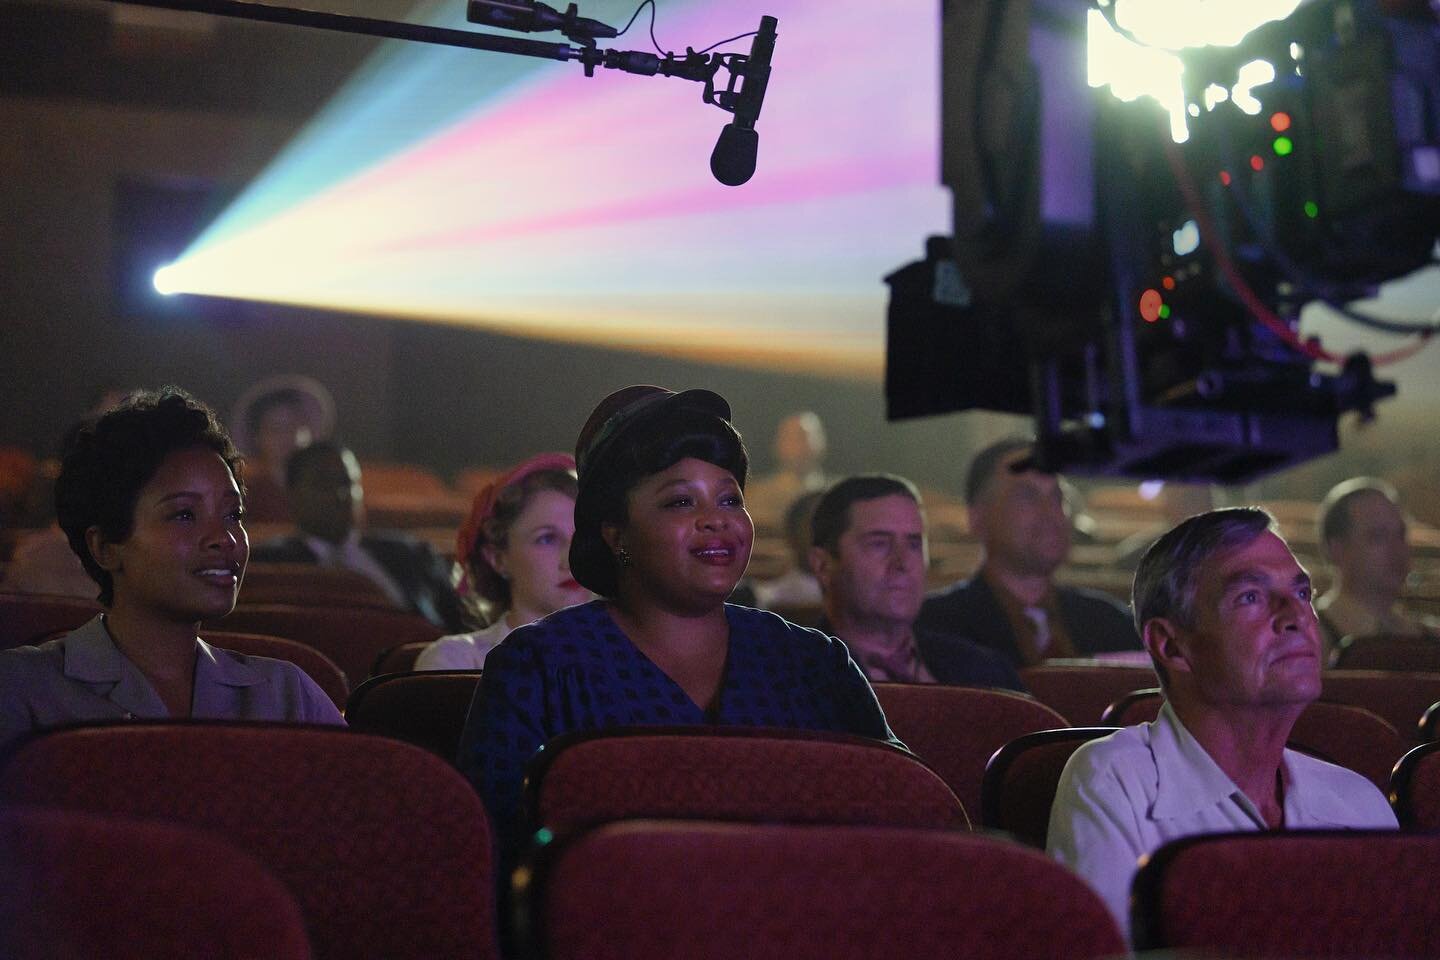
(1400, 697)
(733, 773)
(1137, 706)
(1352, 737)
(1021, 779)
(1430, 723)
(399, 658)
(1388, 652)
(426, 708)
(28, 618)
(1080, 691)
(1299, 894)
(385, 848)
(351, 636)
(320, 668)
(309, 584)
(1415, 788)
(956, 730)
(647, 889)
(83, 885)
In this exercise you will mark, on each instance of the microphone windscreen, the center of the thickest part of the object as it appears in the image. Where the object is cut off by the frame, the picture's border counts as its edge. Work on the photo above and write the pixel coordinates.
(733, 159)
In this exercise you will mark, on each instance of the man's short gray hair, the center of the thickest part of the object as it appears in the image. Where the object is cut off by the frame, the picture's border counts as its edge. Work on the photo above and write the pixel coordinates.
(1168, 575)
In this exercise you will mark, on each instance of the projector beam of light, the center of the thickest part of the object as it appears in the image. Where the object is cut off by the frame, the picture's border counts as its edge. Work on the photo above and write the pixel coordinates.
(540, 202)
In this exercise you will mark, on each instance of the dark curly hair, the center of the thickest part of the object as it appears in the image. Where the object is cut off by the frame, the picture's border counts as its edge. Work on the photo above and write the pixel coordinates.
(107, 460)
(658, 447)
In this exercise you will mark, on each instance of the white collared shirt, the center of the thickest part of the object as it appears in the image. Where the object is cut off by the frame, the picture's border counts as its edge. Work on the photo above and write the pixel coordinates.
(463, 651)
(1123, 796)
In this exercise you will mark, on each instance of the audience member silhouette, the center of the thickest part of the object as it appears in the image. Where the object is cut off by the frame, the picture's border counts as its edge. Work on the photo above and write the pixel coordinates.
(278, 416)
(1365, 537)
(1012, 604)
(328, 501)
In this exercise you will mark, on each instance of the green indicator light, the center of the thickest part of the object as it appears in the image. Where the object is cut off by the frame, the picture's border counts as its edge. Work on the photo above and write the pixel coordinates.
(1165, 311)
(1312, 209)
(1284, 146)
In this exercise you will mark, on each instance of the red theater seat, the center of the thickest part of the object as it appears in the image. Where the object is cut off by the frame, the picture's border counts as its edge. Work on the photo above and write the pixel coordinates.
(399, 658)
(29, 618)
(1302, 894)
(1081, 690)
(351, 636)
(1400, 697)
(427, 708)
(82, 885)
(956, 730)
(733, 773)
(707, 891)
(1385, 652)
(385, 847)
(1020, 781)
(1415, 788)
(309, 584)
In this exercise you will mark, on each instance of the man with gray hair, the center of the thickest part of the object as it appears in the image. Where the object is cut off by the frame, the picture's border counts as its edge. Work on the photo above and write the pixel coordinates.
(1224, 610)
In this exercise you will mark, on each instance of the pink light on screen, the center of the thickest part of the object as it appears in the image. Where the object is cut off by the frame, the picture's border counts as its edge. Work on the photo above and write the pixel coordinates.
(584, 207)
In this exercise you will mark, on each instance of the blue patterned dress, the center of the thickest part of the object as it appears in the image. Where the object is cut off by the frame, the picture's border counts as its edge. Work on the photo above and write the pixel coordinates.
(576, 670)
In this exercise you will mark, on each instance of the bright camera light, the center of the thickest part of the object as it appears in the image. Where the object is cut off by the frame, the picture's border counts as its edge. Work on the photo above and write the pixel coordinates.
(1254, 74)
(1152, 67)
(1186, 240)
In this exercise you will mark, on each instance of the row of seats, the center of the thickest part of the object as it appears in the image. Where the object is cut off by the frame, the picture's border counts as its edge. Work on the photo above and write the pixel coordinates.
(1082, 691)
(999, 753)
(641, 889)
(832, 847)
(336, 644)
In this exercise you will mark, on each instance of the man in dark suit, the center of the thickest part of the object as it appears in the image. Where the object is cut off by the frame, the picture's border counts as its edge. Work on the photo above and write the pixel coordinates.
(869, 553)
(1012, 604)
(328, 503)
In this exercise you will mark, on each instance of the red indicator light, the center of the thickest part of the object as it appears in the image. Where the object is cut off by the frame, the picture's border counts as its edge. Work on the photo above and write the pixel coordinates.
(1225, 177)
(1280, 121)
(1168, 283)
(1257, 163)
(1150, 304)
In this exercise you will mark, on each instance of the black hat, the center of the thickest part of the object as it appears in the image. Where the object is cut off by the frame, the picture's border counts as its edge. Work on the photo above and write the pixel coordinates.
(611, 426)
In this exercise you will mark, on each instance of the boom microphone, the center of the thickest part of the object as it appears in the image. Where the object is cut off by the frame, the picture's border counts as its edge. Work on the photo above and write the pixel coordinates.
(733, 159)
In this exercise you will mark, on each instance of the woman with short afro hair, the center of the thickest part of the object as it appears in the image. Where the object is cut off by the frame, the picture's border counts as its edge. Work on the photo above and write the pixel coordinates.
(150, 497)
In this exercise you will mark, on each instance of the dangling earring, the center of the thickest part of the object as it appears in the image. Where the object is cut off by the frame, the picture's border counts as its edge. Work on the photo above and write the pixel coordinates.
(624, 557)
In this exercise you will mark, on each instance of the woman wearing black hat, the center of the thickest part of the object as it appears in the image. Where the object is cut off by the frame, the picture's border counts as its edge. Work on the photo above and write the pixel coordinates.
(662, 536)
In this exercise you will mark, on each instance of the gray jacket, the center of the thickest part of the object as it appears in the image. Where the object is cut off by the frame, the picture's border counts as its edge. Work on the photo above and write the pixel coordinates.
(83, 676)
